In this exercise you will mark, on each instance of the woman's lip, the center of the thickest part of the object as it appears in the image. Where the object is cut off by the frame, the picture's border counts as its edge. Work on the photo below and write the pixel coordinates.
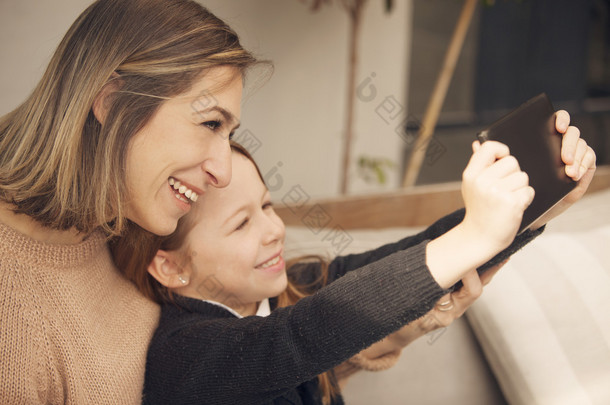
(184, 206)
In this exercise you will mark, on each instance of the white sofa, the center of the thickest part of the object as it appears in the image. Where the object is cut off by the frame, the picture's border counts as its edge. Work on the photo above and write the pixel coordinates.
(540, 334)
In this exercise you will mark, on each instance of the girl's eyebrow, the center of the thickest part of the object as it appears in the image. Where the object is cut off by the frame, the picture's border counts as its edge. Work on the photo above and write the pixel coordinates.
(241, 209)
(244, 207)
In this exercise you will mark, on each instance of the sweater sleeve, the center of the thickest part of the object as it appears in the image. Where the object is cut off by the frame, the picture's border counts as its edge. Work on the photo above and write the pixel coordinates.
(307, 275)
(26, 371)
(253, 360)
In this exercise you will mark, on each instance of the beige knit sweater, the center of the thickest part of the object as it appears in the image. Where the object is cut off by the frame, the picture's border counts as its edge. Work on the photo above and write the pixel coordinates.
(72, 329)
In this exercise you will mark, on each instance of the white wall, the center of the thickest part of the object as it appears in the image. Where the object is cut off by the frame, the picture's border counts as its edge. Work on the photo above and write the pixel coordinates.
(298, 115)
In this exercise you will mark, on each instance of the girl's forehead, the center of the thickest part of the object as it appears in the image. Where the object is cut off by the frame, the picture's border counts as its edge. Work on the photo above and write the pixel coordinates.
(245, 187)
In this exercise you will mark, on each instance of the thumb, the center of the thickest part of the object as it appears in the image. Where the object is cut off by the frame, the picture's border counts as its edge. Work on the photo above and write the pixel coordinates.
(476, 145)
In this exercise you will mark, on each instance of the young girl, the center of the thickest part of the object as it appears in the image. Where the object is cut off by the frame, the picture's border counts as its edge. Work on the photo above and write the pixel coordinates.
(238, 328)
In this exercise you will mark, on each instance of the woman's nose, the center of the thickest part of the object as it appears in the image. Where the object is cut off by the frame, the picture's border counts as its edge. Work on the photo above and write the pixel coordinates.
(217, 166)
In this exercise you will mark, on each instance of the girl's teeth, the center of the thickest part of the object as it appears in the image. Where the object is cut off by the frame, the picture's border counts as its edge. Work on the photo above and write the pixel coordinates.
(188, 193)
(271, 262)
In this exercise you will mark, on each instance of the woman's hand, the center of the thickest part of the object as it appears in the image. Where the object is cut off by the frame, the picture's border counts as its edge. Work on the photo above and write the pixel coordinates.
(448, 309)
(579, 160)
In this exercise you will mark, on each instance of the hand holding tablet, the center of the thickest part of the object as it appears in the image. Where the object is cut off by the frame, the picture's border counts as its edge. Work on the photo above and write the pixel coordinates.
(529, 132)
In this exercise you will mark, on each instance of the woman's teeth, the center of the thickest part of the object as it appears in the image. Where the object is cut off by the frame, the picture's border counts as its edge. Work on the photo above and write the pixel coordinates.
(182, 191)
(271, 262)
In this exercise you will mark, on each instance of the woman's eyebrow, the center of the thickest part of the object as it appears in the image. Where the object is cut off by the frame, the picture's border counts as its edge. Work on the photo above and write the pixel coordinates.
(227, 115)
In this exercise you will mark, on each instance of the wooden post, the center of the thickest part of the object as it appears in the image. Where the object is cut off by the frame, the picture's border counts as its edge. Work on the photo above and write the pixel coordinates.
(355, 16)
(435, 104)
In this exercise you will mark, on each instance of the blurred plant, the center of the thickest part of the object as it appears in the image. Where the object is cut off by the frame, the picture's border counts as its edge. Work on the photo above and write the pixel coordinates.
(354, 9)
(373, 170)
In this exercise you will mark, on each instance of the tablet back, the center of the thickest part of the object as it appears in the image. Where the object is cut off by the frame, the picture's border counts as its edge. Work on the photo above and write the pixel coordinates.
(529, 131)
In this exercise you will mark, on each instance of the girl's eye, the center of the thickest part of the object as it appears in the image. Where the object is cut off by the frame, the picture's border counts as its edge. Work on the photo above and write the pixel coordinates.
(267, 205)
(242, 225)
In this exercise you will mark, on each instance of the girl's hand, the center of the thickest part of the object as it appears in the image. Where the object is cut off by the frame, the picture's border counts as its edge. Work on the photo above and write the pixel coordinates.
(579, 159)
(495, 193)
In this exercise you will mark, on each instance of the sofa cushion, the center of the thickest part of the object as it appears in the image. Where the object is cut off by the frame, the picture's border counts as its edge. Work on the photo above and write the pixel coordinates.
(544, 321)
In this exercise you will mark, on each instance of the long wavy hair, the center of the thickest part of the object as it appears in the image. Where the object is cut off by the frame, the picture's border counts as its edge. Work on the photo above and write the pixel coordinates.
(58, 164)
(133, 251)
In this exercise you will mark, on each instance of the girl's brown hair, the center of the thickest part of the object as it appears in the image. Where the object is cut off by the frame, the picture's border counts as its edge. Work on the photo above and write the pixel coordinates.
(58, 164)
(133, 251)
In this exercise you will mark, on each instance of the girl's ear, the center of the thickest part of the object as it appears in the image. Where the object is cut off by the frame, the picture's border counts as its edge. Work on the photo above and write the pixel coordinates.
(101, 104)
(165, 269)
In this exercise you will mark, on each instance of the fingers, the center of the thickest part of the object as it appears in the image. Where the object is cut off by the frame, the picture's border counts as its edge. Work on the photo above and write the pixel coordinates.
(569, 143)
(453, 305)
(445, 303)
(476, 145)
(485, 155)
(584, 160)
(471, 290)
(562, 121)
(505, 174)
(515, 181)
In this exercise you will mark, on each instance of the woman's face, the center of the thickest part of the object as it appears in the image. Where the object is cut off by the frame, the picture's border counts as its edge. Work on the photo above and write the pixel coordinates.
(182, 150)
(236, 245)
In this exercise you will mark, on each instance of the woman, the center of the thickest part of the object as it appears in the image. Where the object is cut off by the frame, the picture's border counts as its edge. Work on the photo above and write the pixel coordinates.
(131, 120)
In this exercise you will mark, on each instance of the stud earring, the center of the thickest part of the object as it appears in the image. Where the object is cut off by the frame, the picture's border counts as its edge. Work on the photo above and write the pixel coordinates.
(182, 280)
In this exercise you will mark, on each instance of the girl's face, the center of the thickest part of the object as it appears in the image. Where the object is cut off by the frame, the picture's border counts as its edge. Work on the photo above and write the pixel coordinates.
(182, 150)
(235, 248)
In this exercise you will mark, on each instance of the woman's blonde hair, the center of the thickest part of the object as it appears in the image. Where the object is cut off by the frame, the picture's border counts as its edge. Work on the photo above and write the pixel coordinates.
(133, 251)
(58, 164)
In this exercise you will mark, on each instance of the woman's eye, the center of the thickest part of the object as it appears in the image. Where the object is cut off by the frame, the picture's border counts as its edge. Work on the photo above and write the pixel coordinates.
(242, 225)
(213, 125)
(267, 205)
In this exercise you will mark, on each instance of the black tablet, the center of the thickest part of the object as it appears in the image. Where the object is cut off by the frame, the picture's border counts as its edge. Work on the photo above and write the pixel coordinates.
(529, 131)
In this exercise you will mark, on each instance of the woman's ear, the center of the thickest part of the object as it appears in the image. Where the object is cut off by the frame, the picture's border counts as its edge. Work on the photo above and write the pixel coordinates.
(166, 270)
(101, 104)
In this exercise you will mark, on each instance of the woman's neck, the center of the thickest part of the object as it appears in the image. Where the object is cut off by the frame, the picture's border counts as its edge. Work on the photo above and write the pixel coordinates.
(26, 225)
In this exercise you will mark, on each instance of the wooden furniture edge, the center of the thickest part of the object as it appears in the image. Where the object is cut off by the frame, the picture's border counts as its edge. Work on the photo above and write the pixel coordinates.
(416, 207)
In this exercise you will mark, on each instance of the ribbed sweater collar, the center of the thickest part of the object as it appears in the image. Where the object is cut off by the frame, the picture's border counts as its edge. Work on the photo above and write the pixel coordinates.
(28, 251)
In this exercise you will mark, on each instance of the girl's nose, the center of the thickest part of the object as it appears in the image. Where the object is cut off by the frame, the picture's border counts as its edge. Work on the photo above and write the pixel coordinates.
(275, 229)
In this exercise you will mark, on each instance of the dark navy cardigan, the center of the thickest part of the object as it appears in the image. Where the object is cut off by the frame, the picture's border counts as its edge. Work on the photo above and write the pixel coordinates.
(203, 354)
